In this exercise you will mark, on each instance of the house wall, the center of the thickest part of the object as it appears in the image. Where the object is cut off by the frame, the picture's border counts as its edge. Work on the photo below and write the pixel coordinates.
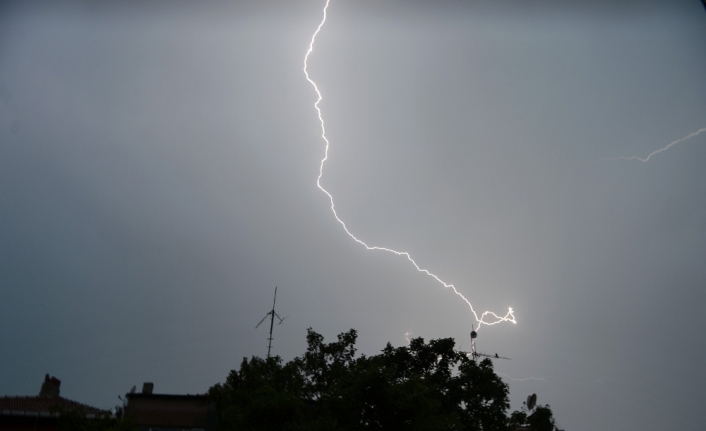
(24, 423)
(170, 412)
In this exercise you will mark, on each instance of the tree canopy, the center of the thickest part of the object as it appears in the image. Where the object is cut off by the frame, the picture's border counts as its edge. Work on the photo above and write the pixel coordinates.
(423, 386)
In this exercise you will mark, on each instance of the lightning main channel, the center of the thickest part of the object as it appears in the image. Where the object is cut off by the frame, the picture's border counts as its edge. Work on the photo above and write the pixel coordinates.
(661, 149)
(509, 317)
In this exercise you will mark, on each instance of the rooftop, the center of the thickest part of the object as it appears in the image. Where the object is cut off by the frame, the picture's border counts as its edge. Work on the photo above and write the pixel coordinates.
(41, 405)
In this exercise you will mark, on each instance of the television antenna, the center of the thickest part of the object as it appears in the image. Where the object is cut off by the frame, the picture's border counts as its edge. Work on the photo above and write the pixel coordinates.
(272, 315)
(475, 354)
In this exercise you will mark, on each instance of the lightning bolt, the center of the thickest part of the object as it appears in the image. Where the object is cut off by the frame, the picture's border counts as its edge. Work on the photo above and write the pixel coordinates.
(525, 379)
(481, 321)
(661, 149)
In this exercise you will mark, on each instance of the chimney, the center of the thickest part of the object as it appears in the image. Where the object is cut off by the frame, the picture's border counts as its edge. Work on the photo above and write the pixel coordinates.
(50, 387)
(147, 388)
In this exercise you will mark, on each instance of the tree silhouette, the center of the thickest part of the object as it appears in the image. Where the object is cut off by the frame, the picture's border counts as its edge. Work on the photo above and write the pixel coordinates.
(423, 386)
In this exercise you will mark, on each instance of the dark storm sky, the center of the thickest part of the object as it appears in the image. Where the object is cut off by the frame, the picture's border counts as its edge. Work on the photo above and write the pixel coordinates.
(158, 169)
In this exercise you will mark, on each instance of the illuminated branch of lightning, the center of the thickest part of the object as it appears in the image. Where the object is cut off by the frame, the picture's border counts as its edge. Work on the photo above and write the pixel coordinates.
(661, 149)
(481, 321)
(525, 379)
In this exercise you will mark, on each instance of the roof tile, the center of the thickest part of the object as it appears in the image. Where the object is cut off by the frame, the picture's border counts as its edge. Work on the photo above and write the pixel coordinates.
(44, 404)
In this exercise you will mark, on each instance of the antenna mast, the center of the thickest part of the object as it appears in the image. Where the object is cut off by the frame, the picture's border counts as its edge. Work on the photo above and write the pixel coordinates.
(272, 315)
(473, 351)
(474, 334)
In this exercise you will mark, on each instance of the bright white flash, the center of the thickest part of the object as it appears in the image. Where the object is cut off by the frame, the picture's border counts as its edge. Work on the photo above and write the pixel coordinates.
(661, 149)
(481, 321)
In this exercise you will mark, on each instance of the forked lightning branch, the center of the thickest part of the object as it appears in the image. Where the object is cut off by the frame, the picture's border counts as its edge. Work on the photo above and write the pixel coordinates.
(493, 318)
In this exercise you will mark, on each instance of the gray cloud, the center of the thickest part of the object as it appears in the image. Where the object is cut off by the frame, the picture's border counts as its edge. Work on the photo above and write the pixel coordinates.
(163, 181)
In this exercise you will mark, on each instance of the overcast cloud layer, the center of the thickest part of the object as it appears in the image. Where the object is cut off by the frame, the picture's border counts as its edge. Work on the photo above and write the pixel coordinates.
(158, 172)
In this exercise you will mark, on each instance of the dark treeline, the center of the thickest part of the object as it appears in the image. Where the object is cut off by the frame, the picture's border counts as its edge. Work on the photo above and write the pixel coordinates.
(423, 386)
